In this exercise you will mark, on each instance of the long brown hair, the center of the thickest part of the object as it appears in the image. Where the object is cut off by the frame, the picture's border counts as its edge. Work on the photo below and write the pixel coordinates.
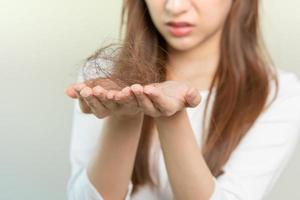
(242, 79)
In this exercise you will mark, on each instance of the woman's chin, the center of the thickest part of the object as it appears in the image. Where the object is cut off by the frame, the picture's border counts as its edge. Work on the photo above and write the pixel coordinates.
(180, 44)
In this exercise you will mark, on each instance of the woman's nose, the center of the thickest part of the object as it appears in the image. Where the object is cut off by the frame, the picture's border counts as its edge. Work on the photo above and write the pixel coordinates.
(176, 7)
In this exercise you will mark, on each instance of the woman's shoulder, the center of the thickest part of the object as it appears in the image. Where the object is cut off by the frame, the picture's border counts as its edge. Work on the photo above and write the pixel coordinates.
(286, 103)
(289, 83)
(288, 86)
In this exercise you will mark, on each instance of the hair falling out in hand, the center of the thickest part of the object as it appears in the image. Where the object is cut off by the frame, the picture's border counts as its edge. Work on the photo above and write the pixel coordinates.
(242, 80)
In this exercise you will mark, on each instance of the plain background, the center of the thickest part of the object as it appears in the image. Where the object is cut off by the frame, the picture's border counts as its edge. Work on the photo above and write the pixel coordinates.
(42, 44)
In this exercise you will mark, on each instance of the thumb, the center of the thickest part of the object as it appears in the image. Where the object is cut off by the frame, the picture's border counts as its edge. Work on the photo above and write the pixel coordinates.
(70, 92)
(192, 97)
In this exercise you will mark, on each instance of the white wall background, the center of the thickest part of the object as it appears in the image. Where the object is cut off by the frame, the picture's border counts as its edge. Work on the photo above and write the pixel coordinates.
(42, 43)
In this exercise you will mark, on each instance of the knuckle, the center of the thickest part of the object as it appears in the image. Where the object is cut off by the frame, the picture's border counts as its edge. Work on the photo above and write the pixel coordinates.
(86, 111)
(168, 113)
(100, 116)
(85, 108)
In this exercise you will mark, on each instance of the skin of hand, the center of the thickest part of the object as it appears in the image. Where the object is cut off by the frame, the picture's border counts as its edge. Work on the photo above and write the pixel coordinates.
(157, 99)
(102, 102)
(74, 90)
(171, 96)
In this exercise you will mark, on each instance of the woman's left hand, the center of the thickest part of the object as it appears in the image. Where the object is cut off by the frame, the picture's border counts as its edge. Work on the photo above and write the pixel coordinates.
(167, 98)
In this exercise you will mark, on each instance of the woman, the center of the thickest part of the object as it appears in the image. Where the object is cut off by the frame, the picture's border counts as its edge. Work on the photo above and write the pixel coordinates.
(192, 110)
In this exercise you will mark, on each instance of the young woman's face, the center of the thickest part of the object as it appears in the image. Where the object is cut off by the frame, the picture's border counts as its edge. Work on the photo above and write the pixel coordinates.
(206, 16)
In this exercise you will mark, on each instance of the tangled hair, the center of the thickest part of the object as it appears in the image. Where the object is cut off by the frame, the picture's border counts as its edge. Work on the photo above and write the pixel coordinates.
(242, 79)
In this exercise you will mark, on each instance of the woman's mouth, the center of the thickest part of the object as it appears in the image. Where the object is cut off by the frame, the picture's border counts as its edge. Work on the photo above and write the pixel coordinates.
(180, 29)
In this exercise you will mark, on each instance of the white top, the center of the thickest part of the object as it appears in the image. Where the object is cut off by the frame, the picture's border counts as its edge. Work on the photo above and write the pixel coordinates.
(251, 171)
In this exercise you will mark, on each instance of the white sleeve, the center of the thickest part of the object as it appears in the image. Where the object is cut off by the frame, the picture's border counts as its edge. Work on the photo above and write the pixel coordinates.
(263, 154)
(85, 133)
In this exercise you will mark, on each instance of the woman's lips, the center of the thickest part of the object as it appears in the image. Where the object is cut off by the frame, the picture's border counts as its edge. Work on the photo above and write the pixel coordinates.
(180, 31)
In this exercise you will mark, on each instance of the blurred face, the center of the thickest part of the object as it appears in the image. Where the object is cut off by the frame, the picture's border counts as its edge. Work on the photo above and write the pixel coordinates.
(188, 23)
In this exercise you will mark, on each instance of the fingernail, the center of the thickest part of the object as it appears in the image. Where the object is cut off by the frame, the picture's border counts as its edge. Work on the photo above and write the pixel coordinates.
(110, 95)
(97, 91)
(85, 93)
(148, 90)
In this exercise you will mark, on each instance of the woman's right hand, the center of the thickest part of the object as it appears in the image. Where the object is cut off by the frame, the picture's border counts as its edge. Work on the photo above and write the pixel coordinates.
(72, 92)
(102, 102)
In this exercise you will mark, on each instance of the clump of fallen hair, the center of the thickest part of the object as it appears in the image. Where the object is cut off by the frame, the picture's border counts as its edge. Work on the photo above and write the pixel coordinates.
(116, 66)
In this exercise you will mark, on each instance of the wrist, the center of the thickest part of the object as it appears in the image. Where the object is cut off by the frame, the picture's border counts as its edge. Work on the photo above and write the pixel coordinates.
(125, 124)
(176, 115)
(128, 118)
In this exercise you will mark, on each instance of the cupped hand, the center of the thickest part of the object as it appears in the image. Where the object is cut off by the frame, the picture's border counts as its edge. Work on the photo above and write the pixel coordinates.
(167, 98)
(103, 103)
(73, 91)
(158, 99)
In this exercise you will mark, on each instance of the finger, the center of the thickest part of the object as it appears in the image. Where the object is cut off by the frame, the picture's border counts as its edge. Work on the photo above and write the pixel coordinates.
(126, 96)
(79, 86)
(85, 108)
(192, 97)
(100, 93)
(105, 97)
(70, 91)
(143, 100)
(157, 97)
(84, 93)
(96, 106)
(109, 101)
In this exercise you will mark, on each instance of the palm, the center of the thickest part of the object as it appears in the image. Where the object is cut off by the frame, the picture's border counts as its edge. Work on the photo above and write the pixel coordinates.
(172, 96)
(175, 91)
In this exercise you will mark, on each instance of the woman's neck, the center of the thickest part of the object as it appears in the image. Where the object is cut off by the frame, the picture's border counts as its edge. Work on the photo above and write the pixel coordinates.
(195, 66)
